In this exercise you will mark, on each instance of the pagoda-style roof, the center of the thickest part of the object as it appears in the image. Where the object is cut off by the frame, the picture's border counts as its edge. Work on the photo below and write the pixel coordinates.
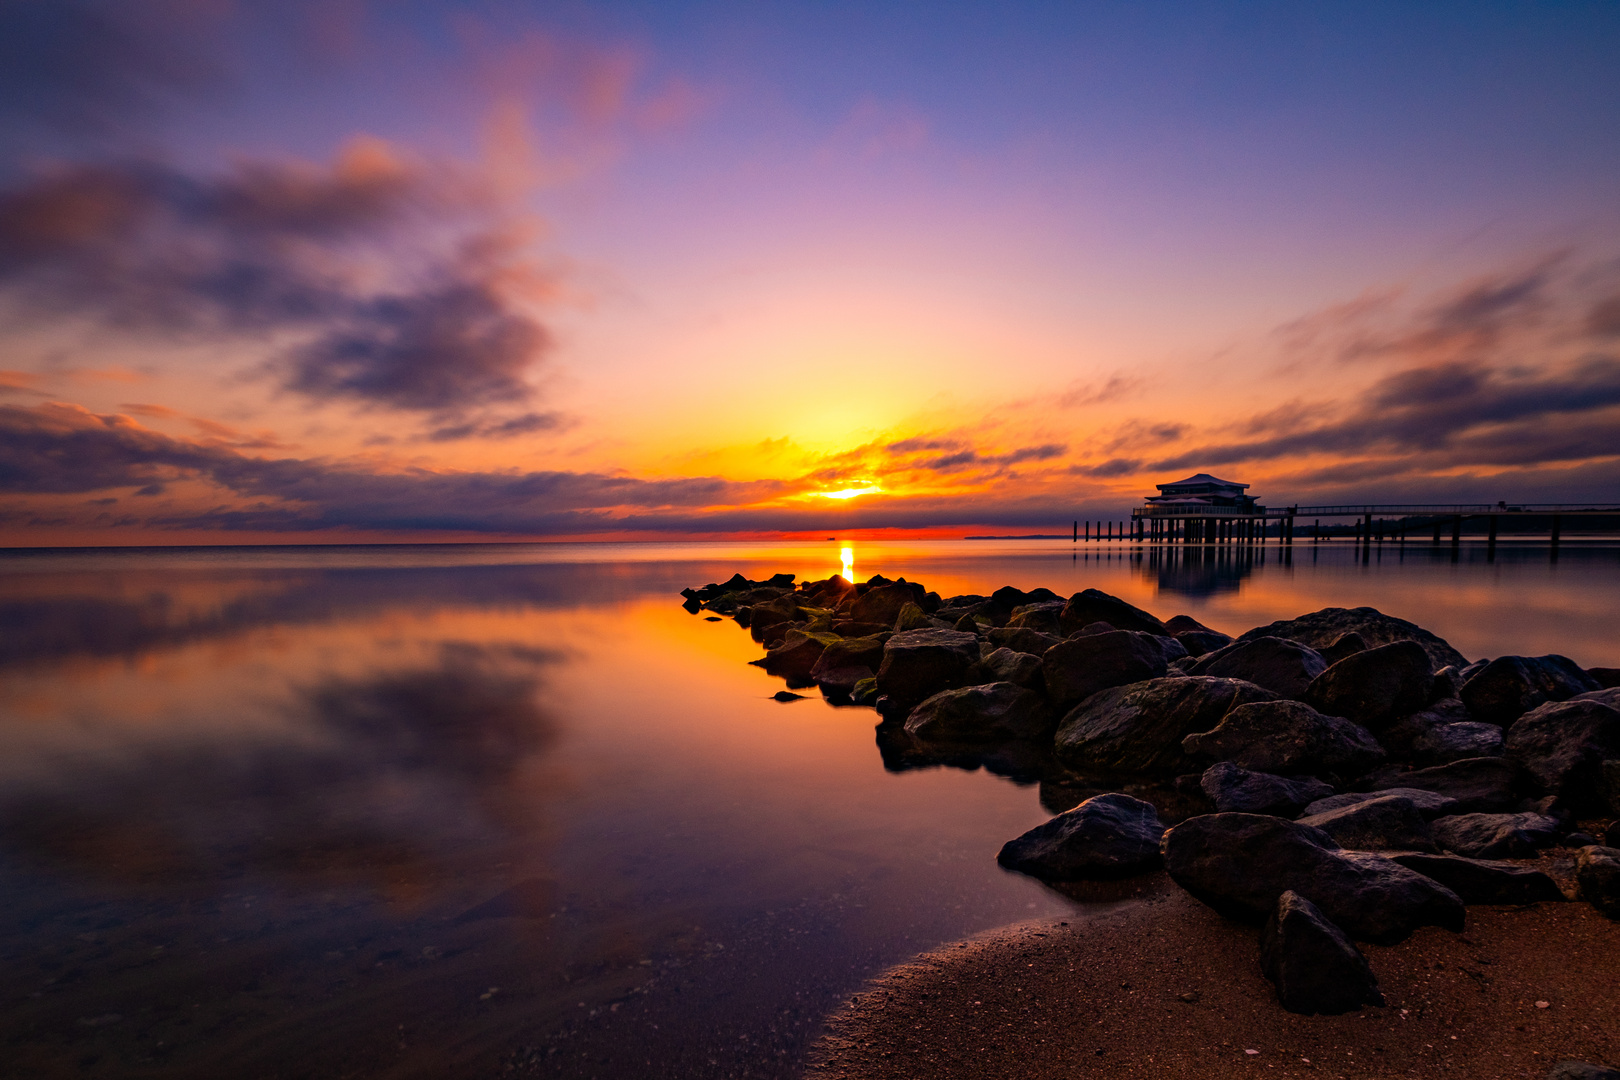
(1203, 478)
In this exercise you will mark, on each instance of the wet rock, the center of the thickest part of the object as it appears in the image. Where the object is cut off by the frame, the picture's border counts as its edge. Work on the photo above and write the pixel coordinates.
(1510, 686)
(1081, 666)
(920, 663)
(770, 616)
(1009, 665)
(1479, 881)
(1022, 639)
(1287, 737)
(1376, 686)
(1495, 836)
(1429, 803)
(845, 662)
(1562, 747)
(1200, 642)
(1387, 823)
(1477, 784)
(1234, 789)
(912, 617)
(1581, 1070)
(1107, 836)
(882, 604)
(796, 656)
(1320, 629)
(1139, 727)
(1342, 646)
(1043, 618)
(1239, 864)
(1597, 875)
(1001, 710)
(1312, 963)
(1093, 605)
(1284, 667)
(786, 696)
(864, 692)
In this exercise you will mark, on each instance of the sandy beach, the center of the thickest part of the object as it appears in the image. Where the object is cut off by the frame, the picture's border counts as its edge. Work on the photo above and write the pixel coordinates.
(1167, 988)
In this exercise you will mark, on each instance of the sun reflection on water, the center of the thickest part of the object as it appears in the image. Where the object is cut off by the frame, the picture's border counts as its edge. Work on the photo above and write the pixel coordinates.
(848, 556)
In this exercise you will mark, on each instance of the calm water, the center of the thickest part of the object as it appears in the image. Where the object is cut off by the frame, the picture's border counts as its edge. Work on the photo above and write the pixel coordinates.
(478, 811)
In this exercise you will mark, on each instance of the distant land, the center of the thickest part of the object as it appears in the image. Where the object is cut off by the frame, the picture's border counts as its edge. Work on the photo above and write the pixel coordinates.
(1026, 536)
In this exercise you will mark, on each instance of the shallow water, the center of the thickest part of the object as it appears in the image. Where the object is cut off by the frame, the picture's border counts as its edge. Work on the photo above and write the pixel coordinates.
(446, 811)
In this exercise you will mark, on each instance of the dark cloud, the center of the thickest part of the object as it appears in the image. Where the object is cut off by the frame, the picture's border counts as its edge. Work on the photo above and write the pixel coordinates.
(1604, 319)
(292, 252)
(1111, 467)
(966, 459)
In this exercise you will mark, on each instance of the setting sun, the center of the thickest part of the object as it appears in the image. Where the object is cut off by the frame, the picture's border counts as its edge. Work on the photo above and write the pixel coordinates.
(848, 493)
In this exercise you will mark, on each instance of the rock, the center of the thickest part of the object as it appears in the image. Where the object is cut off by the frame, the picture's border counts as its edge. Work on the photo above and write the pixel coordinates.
(1008, 665)
(1606, 676)
(1234, 789)
(1580, 840)
(1510, 686)
(1401, 737)
(1284, 667)
(796, 656)
(1562, 747)
(1609, 771)
(882, 604)
(1000, 606)
(1093, 605)
(1581, 1070)
(912, 617)
(786, 696)
(852, 628)
(1376, 686)
(845, 662)
(1597, 874)
(967, 624)
(920, 663)
(1609, 696)
(1342, 646)
(1477, 881)
(1022, 639)
(1478, 784)
(1181, 624)
(1287, 737)
(1313, 965)
(1139, 727)
(1043, 618)
(1611, 835)
(1445, 743)
(1430, 804)
(1495, 836)
(1092, 629)
(864, 692)
(1320, 629)
(1107, 836)
(1239, 864)
(1199, 642)
(1001, 710)
(1079, 667)
(1179, 667)
(1387, 823)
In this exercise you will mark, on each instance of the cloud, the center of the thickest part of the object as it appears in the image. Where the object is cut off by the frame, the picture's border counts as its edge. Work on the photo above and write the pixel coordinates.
(1111, 389)
(386, 282)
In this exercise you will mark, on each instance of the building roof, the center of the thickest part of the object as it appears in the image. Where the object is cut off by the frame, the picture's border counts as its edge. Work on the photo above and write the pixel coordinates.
(1202, 478)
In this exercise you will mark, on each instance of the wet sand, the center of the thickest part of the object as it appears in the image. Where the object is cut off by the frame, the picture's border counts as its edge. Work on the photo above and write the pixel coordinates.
(1167, 988)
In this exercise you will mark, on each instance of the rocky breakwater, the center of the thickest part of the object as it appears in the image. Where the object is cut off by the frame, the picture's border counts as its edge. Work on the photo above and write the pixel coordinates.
(1342, 777)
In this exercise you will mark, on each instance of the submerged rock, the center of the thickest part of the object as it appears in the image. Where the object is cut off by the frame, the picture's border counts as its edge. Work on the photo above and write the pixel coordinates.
(1107, 836)
(1479, 881)
(1282, 666)
(1510, 686)
(1387, 823)
(1320, 629)
(1139, 727)
(1234, 789)
(1375, 687)
(1287, 737)
(1495, 836)
(1239, 864)
(1081, 666)
(1313, 965)
(1000, 710)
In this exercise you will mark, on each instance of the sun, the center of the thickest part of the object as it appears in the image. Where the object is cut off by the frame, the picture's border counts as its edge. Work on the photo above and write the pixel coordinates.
(848, 493)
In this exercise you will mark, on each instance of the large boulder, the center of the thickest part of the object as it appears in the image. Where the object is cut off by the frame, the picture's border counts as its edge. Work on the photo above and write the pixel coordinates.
(1234, 789)
(1287, 737)
(1008, 665)
(1202, 642)
(920, 663)
(1510, 686)
(1429, 803)
(1400, 737)
(1239, 864)
(796, 656)
(1000, 710)
(1284, 667)
(1081, 666)
(1562, 747)
(1445, 743)
(1376, 686)
(1342, 646)
(1139, 728)
(1387, 823)
(1313, 965)
(1477, 784)
(1597, 875)
(1321, 629)
(847, 661)
(1093, 605)
(1107, 836)
(1478, 881)
(1495, 836)
(1044, 617)
(1022, 639)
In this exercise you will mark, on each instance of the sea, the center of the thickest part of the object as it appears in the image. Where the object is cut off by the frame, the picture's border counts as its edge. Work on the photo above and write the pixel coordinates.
(509, 810)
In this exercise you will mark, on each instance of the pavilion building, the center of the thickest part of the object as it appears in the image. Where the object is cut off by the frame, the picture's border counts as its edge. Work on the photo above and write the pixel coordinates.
(1203, 490)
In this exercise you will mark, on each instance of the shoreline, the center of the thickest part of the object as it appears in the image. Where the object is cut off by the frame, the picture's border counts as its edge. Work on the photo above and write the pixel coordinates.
(1168, 988)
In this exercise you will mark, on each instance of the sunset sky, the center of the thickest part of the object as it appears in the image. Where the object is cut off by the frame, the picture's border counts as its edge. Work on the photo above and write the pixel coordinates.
(327, 271)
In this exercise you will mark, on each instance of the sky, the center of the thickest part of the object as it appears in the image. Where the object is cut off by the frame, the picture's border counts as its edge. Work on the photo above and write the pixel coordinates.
(339, 271)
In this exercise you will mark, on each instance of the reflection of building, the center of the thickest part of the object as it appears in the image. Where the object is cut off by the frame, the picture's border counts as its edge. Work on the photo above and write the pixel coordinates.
(1201, 490)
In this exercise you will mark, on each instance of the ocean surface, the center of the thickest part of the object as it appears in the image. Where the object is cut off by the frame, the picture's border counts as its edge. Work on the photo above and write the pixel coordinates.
(481, 811)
